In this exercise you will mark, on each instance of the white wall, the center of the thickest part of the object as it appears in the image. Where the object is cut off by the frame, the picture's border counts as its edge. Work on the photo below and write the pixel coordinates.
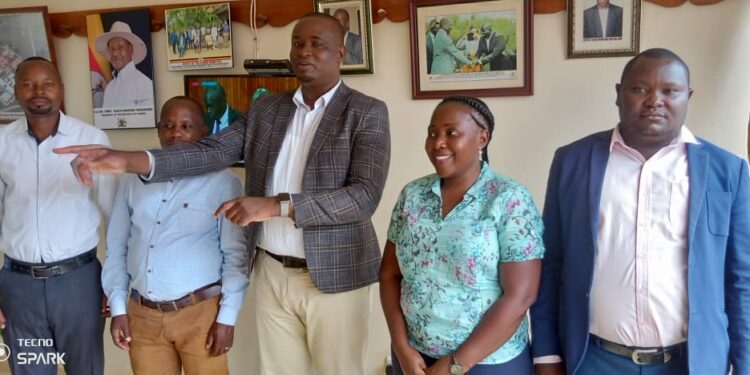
(572, 98)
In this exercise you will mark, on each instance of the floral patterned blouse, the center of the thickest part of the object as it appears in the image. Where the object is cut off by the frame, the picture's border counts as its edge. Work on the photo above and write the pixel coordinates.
(450, 265)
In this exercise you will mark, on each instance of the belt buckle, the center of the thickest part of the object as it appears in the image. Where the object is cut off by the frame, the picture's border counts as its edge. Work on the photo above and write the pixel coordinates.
(172, 303)
(53, 270)
(637, 352)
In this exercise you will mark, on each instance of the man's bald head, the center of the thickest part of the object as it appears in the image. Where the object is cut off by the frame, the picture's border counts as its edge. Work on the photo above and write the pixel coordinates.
(343, 17)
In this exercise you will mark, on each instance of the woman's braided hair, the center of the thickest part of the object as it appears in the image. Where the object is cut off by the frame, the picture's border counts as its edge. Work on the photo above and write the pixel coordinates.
(480, 113)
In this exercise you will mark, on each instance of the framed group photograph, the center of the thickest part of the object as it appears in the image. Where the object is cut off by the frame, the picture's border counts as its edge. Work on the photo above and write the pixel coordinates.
(603, 28)
(199, 37)
(354, 17)
(470, 47)
(121, 69)
(24, 32)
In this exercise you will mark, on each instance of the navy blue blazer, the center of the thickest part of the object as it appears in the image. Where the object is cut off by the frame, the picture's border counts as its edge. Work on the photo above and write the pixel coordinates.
(592, 25)
(718, 256)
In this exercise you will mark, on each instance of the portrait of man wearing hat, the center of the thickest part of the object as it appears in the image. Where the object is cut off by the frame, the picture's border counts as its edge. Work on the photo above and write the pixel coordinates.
(129, 87)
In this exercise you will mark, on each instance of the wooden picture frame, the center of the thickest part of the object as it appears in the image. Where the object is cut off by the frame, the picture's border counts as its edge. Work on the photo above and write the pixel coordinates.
(358, 39)
(24, 32)
(199, 37)
(471, 47)
(603, 28)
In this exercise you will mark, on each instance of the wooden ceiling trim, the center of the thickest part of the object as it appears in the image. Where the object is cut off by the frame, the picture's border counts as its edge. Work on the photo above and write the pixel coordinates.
(269, 12)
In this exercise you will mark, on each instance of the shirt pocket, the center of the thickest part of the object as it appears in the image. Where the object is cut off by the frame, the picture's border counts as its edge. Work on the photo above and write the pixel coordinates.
(718, 206)
(196, 218)
(678, 206)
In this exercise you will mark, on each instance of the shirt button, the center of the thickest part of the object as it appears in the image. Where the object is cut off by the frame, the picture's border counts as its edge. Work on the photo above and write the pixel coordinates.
(158, 222)
(151, 246)
(163, 200)
(149, 270)
(149, 292)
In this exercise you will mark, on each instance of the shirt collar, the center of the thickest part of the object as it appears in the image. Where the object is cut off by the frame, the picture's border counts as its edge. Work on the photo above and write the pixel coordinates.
(225, 117)
(685, 137)
(128, 67)
(474, 190)
(322, 102)
(60, 127)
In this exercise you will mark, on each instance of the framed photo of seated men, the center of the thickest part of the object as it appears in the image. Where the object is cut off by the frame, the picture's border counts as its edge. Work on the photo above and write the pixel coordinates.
(603, 28)
(469, 47)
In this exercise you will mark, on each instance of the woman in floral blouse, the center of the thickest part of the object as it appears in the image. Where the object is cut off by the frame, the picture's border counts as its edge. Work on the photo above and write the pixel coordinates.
(462, 262)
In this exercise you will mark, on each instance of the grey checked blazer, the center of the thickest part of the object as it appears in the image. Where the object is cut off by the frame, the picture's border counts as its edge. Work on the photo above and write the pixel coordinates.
(342, 184)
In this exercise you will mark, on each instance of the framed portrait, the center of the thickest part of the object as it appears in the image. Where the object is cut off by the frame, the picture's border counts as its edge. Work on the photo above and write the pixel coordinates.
(227, 97)
(199, 37)
(603, 28)
(354, 16)
(470, 47)
(121, 69)
(24, 32)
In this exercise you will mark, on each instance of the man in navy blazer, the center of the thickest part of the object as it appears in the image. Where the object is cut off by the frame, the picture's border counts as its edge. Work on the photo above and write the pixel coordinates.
(647, 231)
(592, 20)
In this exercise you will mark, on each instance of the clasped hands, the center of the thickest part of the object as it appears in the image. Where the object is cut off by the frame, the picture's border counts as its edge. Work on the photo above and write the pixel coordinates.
(412, 363)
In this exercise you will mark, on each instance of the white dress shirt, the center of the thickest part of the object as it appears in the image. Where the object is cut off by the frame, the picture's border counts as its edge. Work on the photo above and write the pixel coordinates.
(278, 234)
(639, 292)
(46, 214)
(129, 89)
(603, 17)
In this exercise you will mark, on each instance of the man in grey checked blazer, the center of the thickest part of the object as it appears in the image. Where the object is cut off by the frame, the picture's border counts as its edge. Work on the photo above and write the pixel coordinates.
(312, 305)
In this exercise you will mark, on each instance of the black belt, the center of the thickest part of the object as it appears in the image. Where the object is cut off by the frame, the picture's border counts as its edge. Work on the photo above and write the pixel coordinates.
(47, 270)
(642, 356)
(286, 261)
(192, 298)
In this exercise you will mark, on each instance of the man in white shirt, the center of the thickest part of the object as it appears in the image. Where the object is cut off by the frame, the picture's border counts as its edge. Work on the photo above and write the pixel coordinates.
(50, 289)
(218, 112)
(129, 87)
(647, 231)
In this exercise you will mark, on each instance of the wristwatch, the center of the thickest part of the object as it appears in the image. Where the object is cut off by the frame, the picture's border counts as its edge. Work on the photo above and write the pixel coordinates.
(285, 201)
(456, 368)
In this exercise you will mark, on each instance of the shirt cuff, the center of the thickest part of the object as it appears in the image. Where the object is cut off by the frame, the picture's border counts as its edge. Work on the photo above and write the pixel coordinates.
(227, 315)
(547, 359)
(151, 168)
(118, 306)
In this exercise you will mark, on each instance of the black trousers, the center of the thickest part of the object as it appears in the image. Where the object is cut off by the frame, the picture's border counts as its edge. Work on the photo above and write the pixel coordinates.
(48, 320)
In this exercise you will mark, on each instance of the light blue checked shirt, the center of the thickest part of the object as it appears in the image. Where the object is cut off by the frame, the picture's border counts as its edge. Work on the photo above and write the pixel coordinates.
(164, 242)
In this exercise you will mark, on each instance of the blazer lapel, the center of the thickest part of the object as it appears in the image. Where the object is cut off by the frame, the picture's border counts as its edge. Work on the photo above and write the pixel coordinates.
(331, 116)
(280, 125)
(697, 173)
(599, 157)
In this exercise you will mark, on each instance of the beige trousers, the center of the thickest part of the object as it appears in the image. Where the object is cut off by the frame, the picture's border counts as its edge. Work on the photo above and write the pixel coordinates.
(165, 342)
(302, 331)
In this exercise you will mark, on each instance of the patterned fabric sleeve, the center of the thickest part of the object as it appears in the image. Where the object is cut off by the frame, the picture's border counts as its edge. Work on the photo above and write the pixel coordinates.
(520, 227)
(398, 222)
